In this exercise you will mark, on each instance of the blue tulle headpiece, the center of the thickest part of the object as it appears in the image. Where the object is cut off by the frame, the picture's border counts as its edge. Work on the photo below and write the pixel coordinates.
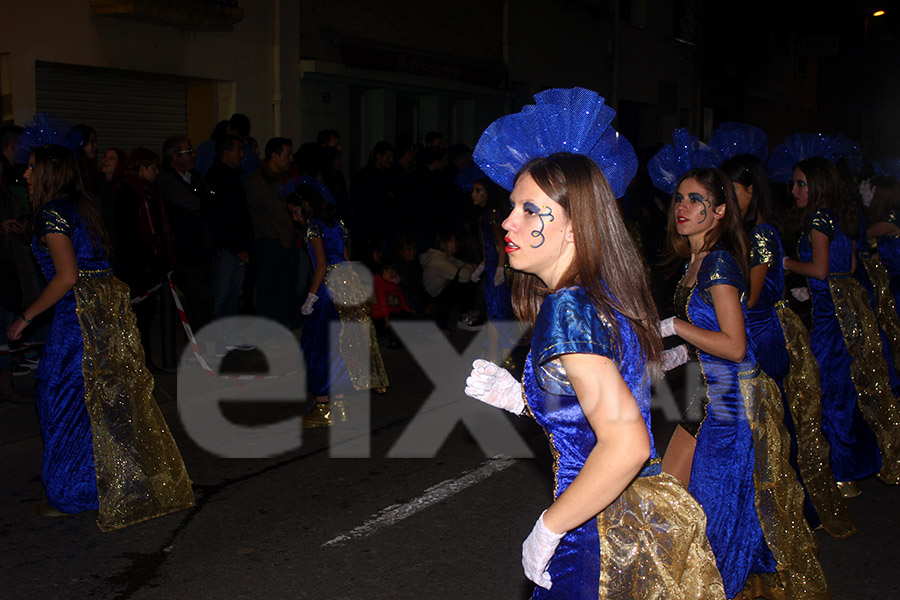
(572, 120)
(468, 176)
(734, 139)
(43, 129)
(801, 146)
(686, 152)
(308, 180)
(889, 167)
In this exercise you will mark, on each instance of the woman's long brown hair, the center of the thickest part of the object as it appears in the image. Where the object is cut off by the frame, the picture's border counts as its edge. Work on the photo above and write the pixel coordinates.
(56, 175)
(827, 190)
(606, 265)
(729, 233)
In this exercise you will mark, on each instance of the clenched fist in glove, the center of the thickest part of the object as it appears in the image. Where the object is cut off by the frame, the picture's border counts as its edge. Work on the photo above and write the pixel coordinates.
(307, 307)
(674, 357)
(495, 386)
(667, 327)
(537, 550)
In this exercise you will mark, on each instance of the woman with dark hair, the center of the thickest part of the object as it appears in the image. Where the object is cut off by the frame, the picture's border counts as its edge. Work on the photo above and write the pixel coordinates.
(106, 444)
(735, 458)
(784, 348)
(860, 419)
(145, 249)
(488, 199)
(335, 295)
(112, 174)
(618, 528)
(884, 216)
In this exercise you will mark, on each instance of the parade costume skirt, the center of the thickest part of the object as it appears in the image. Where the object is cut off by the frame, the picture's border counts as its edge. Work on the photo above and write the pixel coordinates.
(779, 500)
(803, 394)
(869, 374)
(885, 309)
(105, 436)
(342, 307)
(652, 546)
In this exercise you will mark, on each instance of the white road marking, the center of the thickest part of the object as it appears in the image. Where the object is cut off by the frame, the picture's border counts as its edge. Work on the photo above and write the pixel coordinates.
(397, 512)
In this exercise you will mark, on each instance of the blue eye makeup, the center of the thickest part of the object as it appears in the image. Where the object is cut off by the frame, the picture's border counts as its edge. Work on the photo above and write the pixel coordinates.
(531, 207)
(695, 197)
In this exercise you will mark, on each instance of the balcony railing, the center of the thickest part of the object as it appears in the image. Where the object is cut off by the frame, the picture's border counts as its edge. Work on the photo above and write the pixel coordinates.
(195, 15)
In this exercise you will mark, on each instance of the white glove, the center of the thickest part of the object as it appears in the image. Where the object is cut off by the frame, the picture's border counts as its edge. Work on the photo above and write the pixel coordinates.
(667, 327)
(867, 191)
(674, 357)
(495, 386)
(800, 293)
(499, 276)
(537, 550)
(476, 274)
(307, 307)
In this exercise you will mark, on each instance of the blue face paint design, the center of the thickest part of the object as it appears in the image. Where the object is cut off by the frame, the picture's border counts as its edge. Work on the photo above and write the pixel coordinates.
(706, 202)
(532, 208)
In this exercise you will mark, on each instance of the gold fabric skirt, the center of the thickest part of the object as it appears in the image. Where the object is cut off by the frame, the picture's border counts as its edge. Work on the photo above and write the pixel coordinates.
(885, 310)
(358, 341)
(869, 371)
(779, 501)
(140, 473)
(801, 388)
(653, 545)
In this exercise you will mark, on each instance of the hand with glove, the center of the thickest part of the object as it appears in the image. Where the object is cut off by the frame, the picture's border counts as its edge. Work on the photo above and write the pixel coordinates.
(867, 191)
(307, 307)
(800, 293)
(495, 386)
(674, 357)
(667, 327)
(499, 276)
(537, 550)
(476, 274)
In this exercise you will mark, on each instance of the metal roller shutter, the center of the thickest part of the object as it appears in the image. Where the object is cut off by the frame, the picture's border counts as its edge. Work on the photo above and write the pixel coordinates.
(127, 109)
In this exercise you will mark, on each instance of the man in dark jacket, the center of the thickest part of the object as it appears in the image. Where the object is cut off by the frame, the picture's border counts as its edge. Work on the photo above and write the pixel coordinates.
(187, 197)
(231, 229)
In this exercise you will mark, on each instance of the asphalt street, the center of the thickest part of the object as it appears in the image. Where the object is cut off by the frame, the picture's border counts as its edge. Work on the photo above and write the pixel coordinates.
(306, 524)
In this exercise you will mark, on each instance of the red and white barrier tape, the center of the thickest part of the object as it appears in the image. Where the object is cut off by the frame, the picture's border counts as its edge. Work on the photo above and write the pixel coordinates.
(189, 333)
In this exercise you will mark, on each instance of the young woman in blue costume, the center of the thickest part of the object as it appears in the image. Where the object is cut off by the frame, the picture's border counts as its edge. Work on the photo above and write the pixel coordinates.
(860, 419)
(618, 528)
(500, 319)
(335, 296)
(106, 444)
(736, 459)
(783, 348)
(884, 216)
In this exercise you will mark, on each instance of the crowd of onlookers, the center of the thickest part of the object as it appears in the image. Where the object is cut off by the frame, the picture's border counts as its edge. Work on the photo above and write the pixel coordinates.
(215, 216)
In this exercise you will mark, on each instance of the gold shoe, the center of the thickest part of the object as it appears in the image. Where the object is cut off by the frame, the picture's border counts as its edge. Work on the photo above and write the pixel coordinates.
(849, 489)
(44, 509)
(319, 416)
(338, 411)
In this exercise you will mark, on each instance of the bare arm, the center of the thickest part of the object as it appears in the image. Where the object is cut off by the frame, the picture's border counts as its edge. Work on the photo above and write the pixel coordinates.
(62, 252)
(318, 248)
(623, 445)
(882, 228)
(757, 281)
(818, 268)
(730, 342)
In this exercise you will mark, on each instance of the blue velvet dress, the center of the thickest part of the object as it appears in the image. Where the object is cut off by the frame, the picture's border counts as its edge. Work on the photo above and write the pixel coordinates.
(650, 542)
(854, 375)
(106, 444)
(68, 461)
(496, 296)
(782, 348)
(889, 253)
(740, 472)
(356, 362)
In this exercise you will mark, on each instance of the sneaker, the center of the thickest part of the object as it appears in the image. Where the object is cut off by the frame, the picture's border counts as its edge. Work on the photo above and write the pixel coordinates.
(241, 347)
(470, 322)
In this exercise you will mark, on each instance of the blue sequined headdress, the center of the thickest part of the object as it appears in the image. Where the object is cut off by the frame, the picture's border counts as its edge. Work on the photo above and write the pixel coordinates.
(801, 146)
(308, 180)
(733, 139)
(572, 120)
(43, 129)
(686, 152)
